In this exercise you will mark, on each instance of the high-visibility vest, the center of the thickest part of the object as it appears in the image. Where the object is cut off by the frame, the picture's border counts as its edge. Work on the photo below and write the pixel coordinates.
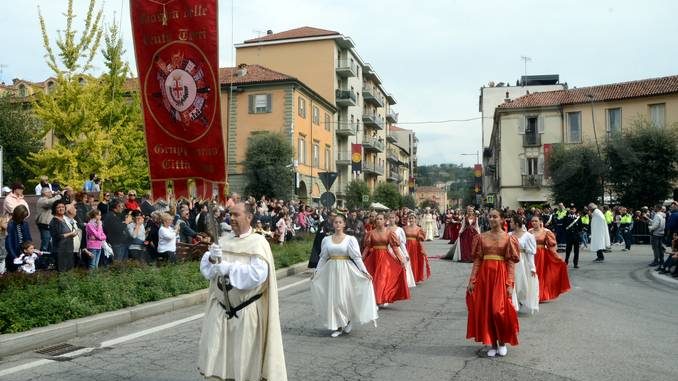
(560, 214)
(585, 220)
(609, 217)
(627, 219)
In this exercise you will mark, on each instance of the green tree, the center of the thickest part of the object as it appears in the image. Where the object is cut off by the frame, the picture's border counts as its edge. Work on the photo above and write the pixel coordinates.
(576, 174)
(19, 137)
(428, 203)
(387, 194)
(267, 166)
(643, 163)
(355, 190)
(408, 202)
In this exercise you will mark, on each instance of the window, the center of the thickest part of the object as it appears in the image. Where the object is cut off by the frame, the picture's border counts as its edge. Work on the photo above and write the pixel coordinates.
(657, 113)
(260, 103)
(328, 158)
(328, 122)
(22, 90)
(316, 154)
(301, 150)
(574, 127)
(50, 87)
(316, 115)
(302, 107)
(531, 166)
(613, 121)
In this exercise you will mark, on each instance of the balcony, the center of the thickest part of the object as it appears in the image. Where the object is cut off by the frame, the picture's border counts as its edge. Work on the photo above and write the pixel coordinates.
(392, 156)
(345, 98)
(347, 128)
(392, 117)
(391, 139)
(373, 120)
(531, 140)
(532, 181)
(373, 169)
(393, 176)
(371, 96)
(343, 159)
(346, 69)
(372, 144)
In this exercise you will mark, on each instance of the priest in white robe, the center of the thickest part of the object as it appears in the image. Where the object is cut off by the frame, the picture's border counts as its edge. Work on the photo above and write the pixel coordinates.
(600, 236)
(241, 338)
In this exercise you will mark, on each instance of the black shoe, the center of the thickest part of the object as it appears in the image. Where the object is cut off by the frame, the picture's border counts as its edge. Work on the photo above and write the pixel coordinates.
(598, 260)
(661, 271)
(653, 264)
(675, 275)
(576, 267)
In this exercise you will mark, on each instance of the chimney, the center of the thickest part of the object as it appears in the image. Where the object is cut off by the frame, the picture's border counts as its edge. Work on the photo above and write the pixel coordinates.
(269, 32)
(242, 70)
(507, 99)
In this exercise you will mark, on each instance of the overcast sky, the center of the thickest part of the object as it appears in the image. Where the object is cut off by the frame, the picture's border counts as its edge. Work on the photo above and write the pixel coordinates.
(433, 55)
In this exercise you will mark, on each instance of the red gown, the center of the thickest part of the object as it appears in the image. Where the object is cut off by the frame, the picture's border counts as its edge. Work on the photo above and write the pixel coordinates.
(454, 230)
(388, 275)
(418, 258)
(551, 269)
(447, 232)
(491, 315)
(466, 239)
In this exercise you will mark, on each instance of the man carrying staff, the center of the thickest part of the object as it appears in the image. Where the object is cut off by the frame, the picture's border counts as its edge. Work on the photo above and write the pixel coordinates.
(241, 337)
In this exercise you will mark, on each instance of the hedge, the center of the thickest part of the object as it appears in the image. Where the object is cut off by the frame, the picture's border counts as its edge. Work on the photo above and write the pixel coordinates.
(43, 298)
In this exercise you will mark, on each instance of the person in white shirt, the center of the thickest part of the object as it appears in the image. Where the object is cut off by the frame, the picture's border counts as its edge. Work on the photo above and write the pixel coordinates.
(526, 289)
(167, 238)
(26, 260)
(241, 337)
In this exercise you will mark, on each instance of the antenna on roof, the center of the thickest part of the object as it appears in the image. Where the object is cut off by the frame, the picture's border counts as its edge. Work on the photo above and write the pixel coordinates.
(525, 60)
(2, 66)
(258, 32)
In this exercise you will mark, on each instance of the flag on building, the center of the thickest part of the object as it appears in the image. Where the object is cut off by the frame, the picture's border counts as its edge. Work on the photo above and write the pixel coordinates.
(357, 158)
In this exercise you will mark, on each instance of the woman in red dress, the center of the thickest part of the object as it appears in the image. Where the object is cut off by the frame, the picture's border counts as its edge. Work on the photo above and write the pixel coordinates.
(492, 318)
(456, 226)
(469, 230)
(551, 269)
(418, 258)
(388, 271)
(447, 232)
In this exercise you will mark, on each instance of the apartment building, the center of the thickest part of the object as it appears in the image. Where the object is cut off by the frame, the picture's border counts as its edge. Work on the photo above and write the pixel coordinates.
(256, 99)
(526, 128)
(328, 62)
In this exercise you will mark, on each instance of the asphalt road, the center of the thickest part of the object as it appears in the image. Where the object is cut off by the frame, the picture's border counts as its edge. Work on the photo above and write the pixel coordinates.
(617, 323)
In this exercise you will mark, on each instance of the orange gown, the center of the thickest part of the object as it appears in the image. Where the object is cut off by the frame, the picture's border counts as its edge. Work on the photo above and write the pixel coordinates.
(492, 317)
(388, 275)
(418, 258)
(551, 269)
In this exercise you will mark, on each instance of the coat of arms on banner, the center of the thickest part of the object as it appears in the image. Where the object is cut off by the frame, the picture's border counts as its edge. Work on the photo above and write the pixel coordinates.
(183, 93)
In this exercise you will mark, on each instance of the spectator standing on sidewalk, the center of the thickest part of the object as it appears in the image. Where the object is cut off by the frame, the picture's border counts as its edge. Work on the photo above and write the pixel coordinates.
(17, 233)
(44, 217)
(44, 183)
(115, 227)
(95, 237)
(657, 226)
(137, 233)
(15, 198)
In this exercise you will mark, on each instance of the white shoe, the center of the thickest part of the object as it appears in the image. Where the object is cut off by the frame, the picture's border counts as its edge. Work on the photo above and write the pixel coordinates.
(348, 328)
(337, 333)
(503, 350)
(492, 352)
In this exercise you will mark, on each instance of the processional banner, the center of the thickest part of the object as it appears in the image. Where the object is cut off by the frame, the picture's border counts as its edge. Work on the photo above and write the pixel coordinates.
(176, 46)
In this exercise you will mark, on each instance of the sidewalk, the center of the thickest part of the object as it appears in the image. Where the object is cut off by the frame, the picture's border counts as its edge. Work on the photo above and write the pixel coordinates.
(14, 343)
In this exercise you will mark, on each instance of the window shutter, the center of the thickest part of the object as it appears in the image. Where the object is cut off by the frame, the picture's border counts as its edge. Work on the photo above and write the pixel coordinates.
(523, 166)
(540, 124)
(269, 103)
(251, 104)
(521, 125)
(540, 165)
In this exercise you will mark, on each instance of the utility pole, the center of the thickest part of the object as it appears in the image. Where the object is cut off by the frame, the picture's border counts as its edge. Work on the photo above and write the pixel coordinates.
(2, 66)
(525, 60)
(595, 136)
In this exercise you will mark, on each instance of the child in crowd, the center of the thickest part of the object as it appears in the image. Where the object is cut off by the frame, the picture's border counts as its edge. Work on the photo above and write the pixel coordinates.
(26, 260)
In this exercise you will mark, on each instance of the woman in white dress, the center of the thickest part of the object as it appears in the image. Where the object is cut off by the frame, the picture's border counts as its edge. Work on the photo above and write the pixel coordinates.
(402, 238)
(526, 289)
(341, 286)
(428, 224)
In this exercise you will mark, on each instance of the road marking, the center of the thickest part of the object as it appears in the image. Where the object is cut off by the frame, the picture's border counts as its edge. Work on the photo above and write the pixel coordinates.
(122, 339)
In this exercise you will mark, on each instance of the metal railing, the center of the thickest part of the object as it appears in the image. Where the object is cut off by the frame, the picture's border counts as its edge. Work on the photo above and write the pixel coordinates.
(347, 68)
(533, 181)
(374, 144)
(531, 140)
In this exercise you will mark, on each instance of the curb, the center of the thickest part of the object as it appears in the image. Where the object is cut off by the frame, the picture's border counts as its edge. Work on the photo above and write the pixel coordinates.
(15, 343)
(669, 280)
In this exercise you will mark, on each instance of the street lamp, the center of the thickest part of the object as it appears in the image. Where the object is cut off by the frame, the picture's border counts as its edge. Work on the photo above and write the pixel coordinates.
(595, 136)
(477, 155)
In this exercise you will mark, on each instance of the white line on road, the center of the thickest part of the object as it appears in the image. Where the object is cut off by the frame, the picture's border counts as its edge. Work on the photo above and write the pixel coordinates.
(122, 339)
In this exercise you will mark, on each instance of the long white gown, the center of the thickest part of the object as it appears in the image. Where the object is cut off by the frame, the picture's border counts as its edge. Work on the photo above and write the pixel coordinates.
(428, 224)
(402, 238)
(340, 289)
(526, 288)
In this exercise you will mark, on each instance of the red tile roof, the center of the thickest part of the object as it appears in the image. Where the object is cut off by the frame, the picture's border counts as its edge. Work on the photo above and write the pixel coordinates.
(303, 32)
(253, 74)
(609, 92)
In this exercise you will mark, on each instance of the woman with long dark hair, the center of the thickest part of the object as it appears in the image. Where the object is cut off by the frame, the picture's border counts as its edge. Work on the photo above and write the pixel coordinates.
(341, 286)
(415, 235)
(551, 269)
(492, 318)
(18, 232)
(527, 283)
(62, 237)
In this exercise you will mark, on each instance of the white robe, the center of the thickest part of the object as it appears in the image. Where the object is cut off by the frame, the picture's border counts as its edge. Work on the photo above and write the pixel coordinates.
(526, 288)
(340, 290)
(600, 236)
(428, 225)
(248, 347)
(402, 238)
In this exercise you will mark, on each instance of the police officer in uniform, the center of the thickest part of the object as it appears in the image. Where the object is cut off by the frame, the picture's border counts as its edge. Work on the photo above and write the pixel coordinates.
(572, 227)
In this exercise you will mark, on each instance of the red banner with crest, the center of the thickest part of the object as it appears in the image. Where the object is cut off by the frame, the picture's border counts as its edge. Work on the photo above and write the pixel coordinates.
(176, 46)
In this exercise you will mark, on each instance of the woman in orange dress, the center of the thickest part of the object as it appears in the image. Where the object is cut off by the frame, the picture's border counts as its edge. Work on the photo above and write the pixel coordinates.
(388, 271)
(418, 258)
(551, 269)
(492, 318)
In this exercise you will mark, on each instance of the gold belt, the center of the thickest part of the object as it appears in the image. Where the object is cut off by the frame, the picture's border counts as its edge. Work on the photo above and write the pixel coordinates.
(379, 247)
(541, 245)
(341, 257)
(412, 238)
(493, 258)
